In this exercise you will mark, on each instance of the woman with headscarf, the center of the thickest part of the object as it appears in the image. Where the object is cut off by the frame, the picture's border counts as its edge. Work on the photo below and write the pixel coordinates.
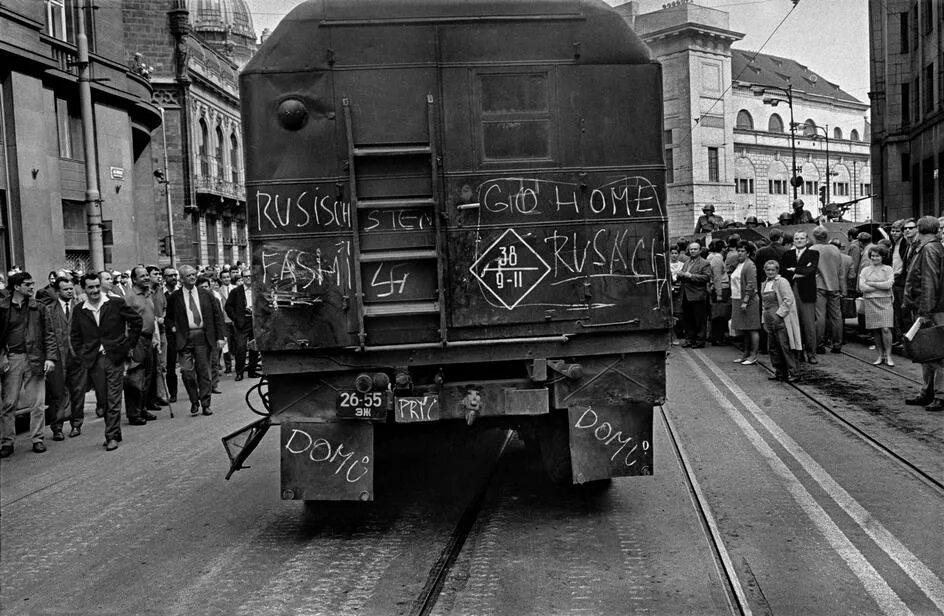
(745, 317)
(781, 322)
(875, 283)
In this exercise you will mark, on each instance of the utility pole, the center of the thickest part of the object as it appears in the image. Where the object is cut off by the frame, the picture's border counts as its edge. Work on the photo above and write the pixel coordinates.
(164, 179)
(93, 199)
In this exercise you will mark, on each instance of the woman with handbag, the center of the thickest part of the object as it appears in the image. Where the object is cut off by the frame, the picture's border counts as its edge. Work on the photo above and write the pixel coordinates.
(745, 316)
(875, 283)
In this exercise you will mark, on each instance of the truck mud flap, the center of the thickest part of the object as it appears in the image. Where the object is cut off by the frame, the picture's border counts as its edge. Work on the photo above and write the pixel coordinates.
(242, 442)
(327, 461)
(610, 441)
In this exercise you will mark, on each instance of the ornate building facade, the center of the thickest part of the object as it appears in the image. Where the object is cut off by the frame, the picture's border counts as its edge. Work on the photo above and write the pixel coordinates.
(43, 159)
(197, 48)
(726, 145)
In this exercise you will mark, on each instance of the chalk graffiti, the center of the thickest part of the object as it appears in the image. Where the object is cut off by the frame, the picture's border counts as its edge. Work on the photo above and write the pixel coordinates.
(518, 265)
(300, 210)
(299, 270)
(415, 409)
(321, 451)
(614, 439)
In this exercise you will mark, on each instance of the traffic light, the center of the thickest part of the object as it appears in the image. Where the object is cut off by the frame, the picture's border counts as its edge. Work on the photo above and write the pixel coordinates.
(165, 246)
(822, 195)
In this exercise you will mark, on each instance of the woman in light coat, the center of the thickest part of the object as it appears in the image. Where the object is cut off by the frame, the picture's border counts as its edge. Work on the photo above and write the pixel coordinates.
(781, 322)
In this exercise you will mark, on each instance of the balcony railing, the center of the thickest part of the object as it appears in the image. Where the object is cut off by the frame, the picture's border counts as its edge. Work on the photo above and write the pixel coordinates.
(64, 54)
(216, 186)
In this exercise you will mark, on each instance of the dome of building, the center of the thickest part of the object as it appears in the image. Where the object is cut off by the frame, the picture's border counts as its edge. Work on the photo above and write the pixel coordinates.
(221, 16)
(226, 25)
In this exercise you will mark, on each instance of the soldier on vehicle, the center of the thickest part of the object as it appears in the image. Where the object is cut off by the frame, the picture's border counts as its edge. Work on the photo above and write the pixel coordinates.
(708, 222)
(800, 216)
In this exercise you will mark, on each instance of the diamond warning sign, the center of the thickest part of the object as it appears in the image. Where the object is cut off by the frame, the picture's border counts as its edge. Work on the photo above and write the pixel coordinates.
(510, 269)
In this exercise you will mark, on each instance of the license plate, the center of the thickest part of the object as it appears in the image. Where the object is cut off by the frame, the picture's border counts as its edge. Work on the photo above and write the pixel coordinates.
(357, 405)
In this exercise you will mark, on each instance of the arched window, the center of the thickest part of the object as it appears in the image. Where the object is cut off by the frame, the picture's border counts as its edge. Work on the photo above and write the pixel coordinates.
(204, 149)
(809, 128)
(837, 133)
(220, 171)
(854, 135)
(775, 124)
(234, 157)
(744, 120)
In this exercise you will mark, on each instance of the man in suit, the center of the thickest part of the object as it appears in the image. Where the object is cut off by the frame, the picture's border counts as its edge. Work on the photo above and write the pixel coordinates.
(104, 332)
(198, 321)
(903, 234)
(58, 388)
(799, 267)
(27, 354)
(169, 366)
(239, 309)
(694, 278)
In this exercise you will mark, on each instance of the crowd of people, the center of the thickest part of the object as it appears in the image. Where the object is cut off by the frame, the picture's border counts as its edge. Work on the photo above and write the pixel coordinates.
(123, 335)
(797, 290)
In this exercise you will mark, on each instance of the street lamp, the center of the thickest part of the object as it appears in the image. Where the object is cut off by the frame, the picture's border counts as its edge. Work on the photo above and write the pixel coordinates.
(761, 90)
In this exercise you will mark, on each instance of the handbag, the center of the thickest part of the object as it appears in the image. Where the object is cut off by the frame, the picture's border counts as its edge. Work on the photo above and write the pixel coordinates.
(860, 305)
(849, 308)
(721, 310)
(926, 345)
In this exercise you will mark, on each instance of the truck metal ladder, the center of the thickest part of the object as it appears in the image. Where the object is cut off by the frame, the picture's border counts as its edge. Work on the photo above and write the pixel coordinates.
(361, 153)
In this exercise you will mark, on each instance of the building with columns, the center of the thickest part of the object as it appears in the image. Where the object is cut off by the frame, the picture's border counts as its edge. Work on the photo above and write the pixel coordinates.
(196, 48)
(907, 93)
(724, 145)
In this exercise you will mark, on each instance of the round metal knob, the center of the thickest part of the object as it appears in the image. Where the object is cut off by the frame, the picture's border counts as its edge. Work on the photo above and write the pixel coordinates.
(293, 114)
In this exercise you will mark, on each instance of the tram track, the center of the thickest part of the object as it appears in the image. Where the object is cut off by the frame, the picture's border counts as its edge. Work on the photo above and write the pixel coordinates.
(424, 604)
(882, 367)
(737, 598)
(875, 442)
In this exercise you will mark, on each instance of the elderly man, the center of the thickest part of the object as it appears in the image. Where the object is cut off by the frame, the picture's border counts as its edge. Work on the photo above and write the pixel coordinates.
(239, 309)
(799, 267)
(828, 291)
(28, 352)
(198, 323)
(694, 278)
(924, 293)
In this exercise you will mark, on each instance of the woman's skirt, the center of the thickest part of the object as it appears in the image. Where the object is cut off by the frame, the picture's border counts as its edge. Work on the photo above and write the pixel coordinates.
(879, 312)
(743, 320)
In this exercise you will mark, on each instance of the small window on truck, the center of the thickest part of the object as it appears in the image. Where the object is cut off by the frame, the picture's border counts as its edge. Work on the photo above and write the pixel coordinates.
(515, 116)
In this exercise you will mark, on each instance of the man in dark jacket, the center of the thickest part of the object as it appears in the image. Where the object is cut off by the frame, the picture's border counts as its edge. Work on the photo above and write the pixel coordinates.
(694, 279)
(239, 310)
(27, 353)
(799, 267)
(104, 331)
(58, 382)
(198, 323)
(924, 295)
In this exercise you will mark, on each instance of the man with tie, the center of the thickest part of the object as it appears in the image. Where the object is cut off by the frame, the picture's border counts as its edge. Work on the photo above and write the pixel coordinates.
(198, 321)
(239, 309)
(903, 233)
(799, 267)
(694, 278)
(103, 333)
(58, 382)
